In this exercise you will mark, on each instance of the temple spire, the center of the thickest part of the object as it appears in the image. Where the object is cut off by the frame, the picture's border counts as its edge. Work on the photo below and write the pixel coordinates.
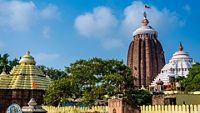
(180, 47)
(145, 20)
(145, 15)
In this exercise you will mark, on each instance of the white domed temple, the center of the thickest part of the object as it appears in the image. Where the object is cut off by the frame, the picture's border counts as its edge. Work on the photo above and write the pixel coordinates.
(179, 65)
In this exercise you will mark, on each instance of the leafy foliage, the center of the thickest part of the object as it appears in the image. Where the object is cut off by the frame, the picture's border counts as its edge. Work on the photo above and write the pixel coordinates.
(90, 80)
(192, 82)
(179, 78)
(59, 91)
(139, 97)
(54, 74)
(7, 64)
(97, 77)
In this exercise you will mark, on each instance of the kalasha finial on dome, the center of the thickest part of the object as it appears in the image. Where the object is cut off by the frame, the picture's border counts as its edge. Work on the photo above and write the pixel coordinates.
(27, 59)
(28, 53)
(180, 47)
(145, 21)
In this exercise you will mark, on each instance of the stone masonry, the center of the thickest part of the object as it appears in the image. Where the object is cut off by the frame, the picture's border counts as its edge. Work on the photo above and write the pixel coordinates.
(145, 55)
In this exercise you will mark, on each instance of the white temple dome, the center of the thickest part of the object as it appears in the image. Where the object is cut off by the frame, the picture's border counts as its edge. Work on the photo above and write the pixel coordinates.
(179, 65)
(144, 29)
(181, 55)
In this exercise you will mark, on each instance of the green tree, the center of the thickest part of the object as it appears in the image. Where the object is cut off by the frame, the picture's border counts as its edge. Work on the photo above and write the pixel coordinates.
(192, 82)
(139, 97)
(53, 73)
(90, 80)
(7, 64)
(59, 91)
(94, 78)
(97, 77)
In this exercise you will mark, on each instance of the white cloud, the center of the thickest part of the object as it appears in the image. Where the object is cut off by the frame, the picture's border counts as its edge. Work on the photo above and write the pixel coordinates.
(112, 44)
(163, 19)
(96, 24)
(50, 12)
(102, 24)
(46, 32)
(46, 56)
(21, 15)
(17, 15)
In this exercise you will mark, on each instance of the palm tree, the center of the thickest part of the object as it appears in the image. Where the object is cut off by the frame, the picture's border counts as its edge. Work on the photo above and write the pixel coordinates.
(4, 62)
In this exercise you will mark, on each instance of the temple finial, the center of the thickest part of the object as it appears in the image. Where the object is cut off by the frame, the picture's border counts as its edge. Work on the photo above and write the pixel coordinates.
(180, 47)
(145, 15)
(28, 53)
(145, 20)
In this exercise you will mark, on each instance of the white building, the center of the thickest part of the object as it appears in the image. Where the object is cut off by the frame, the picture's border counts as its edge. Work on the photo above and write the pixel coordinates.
(178, 66)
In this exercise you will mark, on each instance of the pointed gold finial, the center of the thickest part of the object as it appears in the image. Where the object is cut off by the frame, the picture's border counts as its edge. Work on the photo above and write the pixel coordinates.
(180, 48)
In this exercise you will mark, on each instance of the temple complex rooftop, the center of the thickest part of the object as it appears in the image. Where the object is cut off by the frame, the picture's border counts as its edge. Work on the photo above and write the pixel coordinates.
(26, 75)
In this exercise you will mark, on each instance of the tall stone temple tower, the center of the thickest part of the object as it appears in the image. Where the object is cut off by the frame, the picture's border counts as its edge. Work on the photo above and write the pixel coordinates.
(145, 54)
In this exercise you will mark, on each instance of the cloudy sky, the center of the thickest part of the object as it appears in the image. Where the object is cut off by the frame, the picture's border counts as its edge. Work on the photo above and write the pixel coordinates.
(59, 32)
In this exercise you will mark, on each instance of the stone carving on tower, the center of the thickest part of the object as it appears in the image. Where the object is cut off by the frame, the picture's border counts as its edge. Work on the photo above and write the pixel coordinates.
(145, 54)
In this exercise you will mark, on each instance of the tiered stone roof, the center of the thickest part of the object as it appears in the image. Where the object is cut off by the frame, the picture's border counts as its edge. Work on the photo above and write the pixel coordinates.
(26, 75)
(178, 66)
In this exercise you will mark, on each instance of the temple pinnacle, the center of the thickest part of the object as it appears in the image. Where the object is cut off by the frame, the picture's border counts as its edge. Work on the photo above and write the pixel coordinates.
(145, 20)
(145, 15)
(180, 48)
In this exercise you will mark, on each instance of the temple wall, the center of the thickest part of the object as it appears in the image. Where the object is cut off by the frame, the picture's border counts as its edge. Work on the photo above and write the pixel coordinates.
(121, 106)
(170, 109)
(18, 96)
(187, 99)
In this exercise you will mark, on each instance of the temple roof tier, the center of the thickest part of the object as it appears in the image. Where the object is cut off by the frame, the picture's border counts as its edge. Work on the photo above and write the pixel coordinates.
(178, 65)
(24, 76)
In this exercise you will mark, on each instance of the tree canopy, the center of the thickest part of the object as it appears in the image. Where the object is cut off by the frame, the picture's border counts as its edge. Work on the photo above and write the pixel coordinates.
(7, 64)
(53, 73)
(192, 82)
(91, 80)
(139, 97)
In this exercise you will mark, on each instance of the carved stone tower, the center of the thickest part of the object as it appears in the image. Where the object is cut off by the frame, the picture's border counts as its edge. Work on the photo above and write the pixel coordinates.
(145, 54)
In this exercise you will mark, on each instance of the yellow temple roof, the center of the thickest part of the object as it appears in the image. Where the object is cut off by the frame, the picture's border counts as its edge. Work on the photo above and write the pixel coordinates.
(24, 76)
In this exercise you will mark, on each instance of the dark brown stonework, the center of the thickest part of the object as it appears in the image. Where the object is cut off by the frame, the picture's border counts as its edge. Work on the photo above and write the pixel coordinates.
(122, 106)
(145, 55)
(18, 96)
(163, 99)
(158, 100)
(145, 58)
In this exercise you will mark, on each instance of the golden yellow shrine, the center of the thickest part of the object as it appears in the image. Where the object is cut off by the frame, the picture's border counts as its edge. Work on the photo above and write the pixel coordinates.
(26, 75)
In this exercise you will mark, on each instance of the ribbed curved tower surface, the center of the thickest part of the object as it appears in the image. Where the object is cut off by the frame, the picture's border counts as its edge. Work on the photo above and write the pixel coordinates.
(145, 54)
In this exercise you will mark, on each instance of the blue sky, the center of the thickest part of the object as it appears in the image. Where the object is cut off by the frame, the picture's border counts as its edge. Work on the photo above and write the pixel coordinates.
(59, 32)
